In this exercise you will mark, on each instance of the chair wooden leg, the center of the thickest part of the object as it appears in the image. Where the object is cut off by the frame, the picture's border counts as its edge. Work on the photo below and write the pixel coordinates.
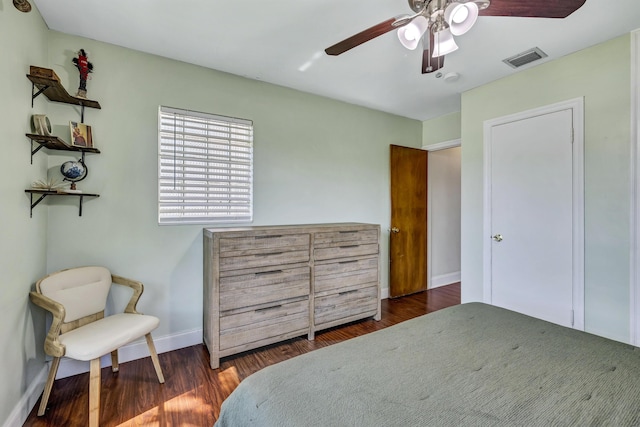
(114, 361)
(48, 386)
(94, 393)
(154, 358)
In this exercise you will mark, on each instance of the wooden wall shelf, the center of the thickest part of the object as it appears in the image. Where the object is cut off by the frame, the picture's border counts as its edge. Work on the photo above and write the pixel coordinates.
(54, 143)
(45, 193)
(54, 90)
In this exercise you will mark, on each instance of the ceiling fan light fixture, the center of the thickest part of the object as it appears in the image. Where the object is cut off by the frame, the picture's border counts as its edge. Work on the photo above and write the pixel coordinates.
(461, 17)
(410, 34)
(443, 43)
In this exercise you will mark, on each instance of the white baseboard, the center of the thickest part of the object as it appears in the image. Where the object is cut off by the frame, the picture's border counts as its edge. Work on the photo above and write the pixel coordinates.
(21, 411)
(445, 279)
(135, 350)
(384, 293)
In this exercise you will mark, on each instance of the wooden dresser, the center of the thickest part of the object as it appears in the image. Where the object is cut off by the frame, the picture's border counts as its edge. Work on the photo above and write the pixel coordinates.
(271, 283)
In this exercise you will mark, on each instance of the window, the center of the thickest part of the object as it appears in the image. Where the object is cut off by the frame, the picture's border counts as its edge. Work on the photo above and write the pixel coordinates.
(205, 168)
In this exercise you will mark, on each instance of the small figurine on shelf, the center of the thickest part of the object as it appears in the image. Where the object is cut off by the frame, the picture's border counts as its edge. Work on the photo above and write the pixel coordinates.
(84, 67)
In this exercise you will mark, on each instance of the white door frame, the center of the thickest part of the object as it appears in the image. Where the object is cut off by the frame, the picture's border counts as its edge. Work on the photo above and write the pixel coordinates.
(577, 107)
(634, 309)
(434, 147)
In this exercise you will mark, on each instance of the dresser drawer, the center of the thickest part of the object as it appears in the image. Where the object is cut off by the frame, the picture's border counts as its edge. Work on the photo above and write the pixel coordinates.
(249, 288)
(263, 323)
(331, 267)
(264, 258)
(236, 245)
(352, 236)
(346, 274)
(354, 302)
(343, 250)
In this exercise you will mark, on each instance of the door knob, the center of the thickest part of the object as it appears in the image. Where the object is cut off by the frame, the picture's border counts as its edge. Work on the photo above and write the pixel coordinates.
(395, 230)
(497, 237)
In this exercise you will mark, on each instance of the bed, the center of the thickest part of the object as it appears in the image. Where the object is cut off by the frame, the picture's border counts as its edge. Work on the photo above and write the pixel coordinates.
(468, 365)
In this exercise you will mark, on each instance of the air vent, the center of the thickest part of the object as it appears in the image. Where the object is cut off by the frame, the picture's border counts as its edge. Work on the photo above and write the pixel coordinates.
(525, 58)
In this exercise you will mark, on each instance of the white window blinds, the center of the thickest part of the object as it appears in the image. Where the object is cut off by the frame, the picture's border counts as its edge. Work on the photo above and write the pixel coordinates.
(205, 168)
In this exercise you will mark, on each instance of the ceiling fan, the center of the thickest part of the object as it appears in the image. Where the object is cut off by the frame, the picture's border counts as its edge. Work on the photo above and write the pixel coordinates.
(435, 22)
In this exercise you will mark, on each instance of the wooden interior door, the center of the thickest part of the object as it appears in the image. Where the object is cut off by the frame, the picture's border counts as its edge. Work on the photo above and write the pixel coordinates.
(408, 236)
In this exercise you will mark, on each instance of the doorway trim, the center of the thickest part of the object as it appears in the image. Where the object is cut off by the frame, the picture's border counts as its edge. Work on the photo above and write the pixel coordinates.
(434, 147)
(634, 309)
(576, 105)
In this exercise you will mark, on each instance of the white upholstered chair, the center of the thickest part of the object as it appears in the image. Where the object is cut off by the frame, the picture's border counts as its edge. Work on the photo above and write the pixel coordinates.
(77, 298)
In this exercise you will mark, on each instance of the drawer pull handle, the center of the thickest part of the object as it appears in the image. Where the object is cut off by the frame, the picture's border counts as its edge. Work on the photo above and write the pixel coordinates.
(265, 273)
(348, 232)
(348, 292)
(268, 237)
(272, 253)
(268, 308)
(348, 262)
(349, 246)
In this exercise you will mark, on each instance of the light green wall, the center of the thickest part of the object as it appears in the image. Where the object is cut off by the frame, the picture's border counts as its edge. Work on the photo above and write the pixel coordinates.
(606, 92)
(22, 240)
(441, 129)
(316, 160)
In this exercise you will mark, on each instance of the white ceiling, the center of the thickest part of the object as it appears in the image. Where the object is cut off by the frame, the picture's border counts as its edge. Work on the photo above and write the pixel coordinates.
(283, 42)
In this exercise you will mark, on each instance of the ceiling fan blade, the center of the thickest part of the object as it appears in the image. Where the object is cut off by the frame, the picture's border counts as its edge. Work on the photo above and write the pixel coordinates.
(362, 37)
(429, 63)
(532, 8)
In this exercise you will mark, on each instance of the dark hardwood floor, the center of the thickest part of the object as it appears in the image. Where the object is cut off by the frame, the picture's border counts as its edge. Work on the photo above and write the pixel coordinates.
(193, 392)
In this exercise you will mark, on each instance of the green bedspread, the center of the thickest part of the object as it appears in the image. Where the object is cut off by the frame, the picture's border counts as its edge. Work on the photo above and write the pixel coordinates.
(468, 365)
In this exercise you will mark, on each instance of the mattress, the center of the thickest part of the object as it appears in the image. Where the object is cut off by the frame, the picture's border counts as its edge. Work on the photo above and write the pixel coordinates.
(467, 365)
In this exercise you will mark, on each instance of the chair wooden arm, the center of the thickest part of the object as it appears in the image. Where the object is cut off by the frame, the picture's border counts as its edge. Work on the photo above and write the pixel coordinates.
(51, 344)
(137, 287)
